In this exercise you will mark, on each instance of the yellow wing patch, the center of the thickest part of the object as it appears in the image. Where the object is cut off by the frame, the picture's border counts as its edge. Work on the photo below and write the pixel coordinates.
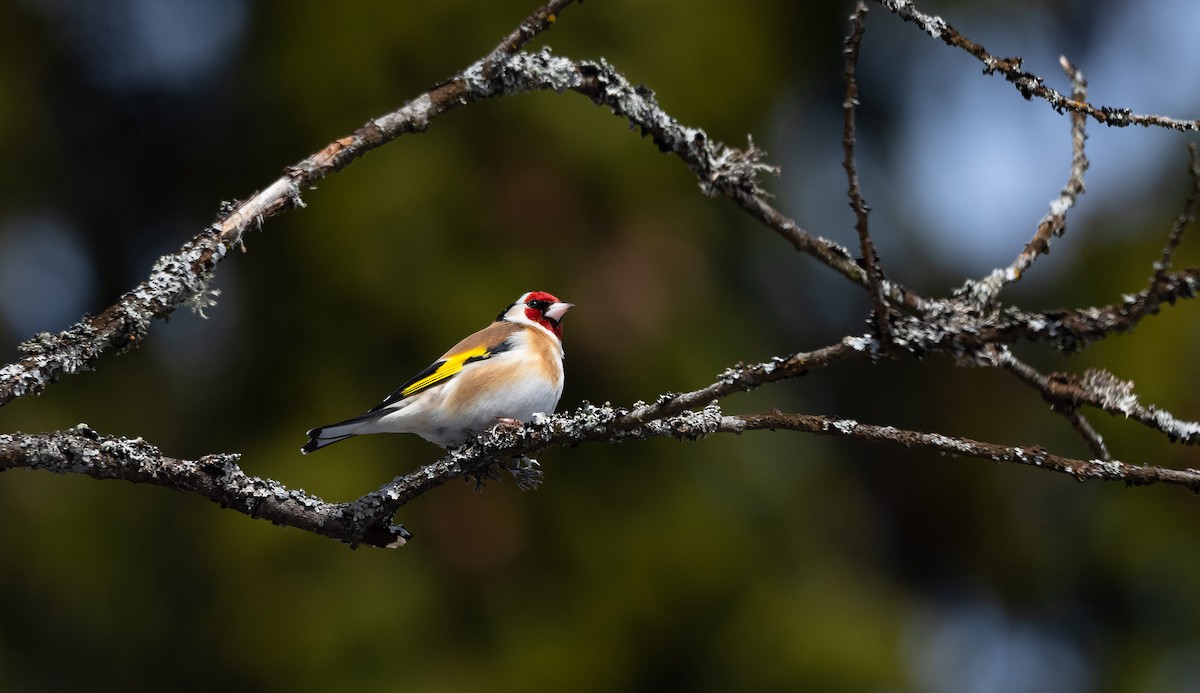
(447, 368)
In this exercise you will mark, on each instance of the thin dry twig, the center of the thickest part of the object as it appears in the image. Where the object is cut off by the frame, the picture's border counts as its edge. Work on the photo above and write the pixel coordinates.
(1091, 436)
(1054, 223)
(1104, 391)
(870, 258)
(1185, 219)
(1027, 83)
(1034, 456)
(743, 378)
(1069, 409)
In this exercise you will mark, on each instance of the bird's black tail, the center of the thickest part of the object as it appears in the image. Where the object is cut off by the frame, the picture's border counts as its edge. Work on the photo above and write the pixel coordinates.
(321, 436)
(325, 435)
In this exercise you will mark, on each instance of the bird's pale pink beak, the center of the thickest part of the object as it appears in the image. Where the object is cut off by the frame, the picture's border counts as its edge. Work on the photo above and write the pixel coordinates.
(557, 310)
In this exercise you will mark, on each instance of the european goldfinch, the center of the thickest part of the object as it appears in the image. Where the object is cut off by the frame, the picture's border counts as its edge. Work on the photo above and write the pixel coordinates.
(507, 371)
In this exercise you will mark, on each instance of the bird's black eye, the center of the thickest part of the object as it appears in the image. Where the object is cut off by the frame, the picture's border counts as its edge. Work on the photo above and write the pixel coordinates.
(538, 305)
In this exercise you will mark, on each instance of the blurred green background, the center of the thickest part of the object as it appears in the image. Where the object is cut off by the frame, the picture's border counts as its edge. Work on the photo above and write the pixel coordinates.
(762, 562)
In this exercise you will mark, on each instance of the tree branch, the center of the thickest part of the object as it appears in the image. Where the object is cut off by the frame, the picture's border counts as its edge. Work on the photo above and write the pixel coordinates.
(81, 450)
(1027, 83)
(367, 520)
(1034, 456)
(870, 257)
(984, 291)
(1103, 390)
(1185, 219)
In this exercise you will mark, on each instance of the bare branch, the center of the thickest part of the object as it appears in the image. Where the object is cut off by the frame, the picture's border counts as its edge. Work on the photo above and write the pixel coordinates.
(1184, 220)
(81, 450)
(871, 265)
(1054, 223)
(541, 20)
(951, 328)
(743, 378)
(367, 520)
(607, 424)
(1034, 456)
(1104, 391)
(1091, 436)
(1031, 377)
(1027, 83)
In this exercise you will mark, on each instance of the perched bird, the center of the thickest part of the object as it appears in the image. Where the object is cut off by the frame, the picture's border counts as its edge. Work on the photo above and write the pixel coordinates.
(507, 371)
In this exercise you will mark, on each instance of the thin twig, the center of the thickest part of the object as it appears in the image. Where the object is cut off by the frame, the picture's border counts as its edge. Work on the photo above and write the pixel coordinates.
(1027, 83)
(1069, 409)
(1034, 456)
(542, 19)
(870, 257)
(1054, 223)
(1184, 220)
(743, 378)
(826, 251)
(1091, 436)
(1104, 391)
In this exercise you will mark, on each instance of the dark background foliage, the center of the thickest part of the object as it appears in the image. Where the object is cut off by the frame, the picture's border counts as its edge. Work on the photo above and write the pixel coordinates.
(767, 561)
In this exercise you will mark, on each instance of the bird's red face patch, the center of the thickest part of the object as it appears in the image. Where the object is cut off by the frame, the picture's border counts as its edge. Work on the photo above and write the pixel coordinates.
(536, 305)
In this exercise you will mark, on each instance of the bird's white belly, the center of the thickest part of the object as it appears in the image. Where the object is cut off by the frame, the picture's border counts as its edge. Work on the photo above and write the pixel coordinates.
(429, 417)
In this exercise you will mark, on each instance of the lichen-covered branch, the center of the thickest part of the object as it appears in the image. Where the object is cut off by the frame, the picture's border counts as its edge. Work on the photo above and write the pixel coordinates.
(175, 280)
(961, 330)
(1034, 456)
(1027, 83)
(81, 450)
(607, 424)
(984, 291)
(1100, 389)
(743, 378)
(367, 521)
